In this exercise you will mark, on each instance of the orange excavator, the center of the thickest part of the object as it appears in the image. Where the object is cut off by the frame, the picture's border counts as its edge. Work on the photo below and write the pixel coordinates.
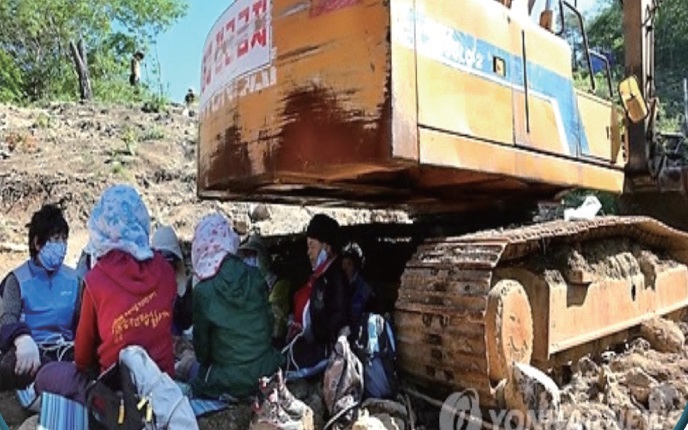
(464, 114)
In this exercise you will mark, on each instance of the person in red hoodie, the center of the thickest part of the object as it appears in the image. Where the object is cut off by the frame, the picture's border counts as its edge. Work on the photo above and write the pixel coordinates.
(128, 297)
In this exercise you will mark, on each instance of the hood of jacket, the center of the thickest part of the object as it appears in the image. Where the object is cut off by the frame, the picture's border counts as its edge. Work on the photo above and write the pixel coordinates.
(238, 283)
(136, 277)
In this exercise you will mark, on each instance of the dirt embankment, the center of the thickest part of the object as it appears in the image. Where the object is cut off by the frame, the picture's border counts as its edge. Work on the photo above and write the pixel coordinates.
(68, 153)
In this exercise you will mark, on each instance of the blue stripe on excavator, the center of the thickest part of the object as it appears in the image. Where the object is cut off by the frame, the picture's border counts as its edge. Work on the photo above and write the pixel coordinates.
(541, 80)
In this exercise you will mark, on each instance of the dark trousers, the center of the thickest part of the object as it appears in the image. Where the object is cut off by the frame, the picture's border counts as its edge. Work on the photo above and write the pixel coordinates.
(307, 354)
(9, 380)
(63, 378)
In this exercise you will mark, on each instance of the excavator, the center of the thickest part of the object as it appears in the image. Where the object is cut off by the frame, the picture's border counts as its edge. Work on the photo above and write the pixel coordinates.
(464, 114)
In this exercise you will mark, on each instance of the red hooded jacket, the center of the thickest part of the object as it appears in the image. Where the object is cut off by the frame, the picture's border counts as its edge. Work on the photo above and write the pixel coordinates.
(126, 302)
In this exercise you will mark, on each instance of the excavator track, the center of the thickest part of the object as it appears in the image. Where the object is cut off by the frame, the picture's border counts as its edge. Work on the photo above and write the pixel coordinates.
(448, 306)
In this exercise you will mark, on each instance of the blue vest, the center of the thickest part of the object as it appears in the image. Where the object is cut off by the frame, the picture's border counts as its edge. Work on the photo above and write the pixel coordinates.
(48, 302)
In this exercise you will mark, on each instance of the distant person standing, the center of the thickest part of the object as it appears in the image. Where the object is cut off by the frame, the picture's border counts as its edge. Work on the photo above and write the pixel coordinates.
(135, 76)
(189, 98)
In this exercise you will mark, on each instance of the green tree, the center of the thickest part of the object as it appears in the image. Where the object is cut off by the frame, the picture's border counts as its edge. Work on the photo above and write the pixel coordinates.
(605, 32)
(50, 43)
(11, 81)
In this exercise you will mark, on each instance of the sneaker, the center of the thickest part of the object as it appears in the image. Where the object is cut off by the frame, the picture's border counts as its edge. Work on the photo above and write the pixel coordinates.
(290, 404)
(270, 416)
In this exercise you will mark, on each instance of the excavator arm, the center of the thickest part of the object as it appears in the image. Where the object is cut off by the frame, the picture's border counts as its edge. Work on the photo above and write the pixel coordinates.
(639, 18)
(656, 162)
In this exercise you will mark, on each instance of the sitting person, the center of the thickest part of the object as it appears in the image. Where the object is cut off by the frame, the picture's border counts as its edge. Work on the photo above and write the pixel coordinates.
(127, 300)
(254, 253)
(363, 296)
(40, 302)
(322, 307)
(232, 319)
(166, 242)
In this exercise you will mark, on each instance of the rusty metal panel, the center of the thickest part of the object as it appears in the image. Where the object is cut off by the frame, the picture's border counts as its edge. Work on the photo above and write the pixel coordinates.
(404, 79)
(294, 86)
(580, 314)
(313, 101)
(449, 150)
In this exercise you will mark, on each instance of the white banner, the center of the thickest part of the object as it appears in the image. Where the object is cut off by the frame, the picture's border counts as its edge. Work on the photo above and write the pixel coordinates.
(239, 43)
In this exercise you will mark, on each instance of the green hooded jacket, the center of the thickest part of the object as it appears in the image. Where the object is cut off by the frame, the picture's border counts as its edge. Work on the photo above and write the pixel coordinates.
(232, 332)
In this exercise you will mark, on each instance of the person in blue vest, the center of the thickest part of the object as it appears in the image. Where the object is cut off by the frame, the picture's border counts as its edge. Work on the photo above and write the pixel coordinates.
(40, 302)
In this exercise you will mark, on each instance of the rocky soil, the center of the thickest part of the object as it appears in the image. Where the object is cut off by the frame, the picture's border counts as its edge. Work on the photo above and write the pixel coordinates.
(68, 153)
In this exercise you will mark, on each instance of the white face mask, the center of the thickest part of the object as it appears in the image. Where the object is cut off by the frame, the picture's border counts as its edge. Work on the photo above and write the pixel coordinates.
(322, 256)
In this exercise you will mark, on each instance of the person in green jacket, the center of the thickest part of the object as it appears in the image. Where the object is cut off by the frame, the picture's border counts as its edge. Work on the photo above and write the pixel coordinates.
(233, 321)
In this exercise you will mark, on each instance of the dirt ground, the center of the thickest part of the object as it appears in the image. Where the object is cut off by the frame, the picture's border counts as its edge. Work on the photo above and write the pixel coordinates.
(69, 153)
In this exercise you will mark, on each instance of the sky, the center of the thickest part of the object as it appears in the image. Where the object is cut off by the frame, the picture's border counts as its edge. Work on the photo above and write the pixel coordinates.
(585, 5)
(180, 49)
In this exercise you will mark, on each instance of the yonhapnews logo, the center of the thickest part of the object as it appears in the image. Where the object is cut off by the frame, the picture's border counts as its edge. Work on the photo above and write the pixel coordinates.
(461, 411)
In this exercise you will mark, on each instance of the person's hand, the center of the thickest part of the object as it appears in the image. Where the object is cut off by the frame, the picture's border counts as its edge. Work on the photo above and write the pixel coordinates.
(28, 360)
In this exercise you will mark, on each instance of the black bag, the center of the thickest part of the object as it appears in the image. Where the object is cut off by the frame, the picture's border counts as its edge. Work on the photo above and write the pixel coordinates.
(378, 356)
(114, 404)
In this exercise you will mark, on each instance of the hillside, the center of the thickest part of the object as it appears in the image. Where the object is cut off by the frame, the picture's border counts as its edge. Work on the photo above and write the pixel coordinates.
(68, 153)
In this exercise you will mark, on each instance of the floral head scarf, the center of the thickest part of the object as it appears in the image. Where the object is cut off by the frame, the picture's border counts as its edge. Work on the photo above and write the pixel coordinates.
(120, 221)
(214, 238)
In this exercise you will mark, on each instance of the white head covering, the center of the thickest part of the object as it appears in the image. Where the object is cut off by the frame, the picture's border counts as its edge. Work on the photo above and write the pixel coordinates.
(214, 238)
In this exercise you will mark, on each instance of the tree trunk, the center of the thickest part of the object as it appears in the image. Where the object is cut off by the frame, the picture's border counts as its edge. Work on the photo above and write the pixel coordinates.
(81, 66)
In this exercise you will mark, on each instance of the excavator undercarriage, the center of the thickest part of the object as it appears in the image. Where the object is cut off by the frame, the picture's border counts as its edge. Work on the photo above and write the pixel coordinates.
(470, 306)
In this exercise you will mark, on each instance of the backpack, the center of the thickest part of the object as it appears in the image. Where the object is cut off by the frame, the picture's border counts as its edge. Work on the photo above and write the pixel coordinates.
(374, 344)
(145, 397)
(112, 401)
(342, 385)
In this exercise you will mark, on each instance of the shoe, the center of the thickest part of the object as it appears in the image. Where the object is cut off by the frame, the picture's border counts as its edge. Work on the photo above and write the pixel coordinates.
(182, 368)
(269, 415)
(294, 407)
